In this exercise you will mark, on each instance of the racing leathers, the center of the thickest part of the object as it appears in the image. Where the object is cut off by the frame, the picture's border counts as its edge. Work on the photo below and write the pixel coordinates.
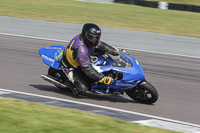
(76, 62)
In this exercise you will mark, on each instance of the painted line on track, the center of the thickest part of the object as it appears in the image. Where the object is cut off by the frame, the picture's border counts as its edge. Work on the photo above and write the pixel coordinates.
(33, 37)
(58, 40)
(104, 107)
(169, 125)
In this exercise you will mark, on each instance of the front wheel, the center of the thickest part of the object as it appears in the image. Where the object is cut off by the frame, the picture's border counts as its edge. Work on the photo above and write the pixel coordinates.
(143, 93)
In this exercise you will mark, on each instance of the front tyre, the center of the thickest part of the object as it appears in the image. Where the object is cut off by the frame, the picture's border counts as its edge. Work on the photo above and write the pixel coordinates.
(143, 93)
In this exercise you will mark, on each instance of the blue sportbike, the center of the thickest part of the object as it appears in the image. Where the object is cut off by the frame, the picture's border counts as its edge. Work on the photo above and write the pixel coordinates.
(126, 71)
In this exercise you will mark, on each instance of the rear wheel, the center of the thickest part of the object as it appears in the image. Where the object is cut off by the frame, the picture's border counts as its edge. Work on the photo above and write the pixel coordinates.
(143, 93)
(58, 74)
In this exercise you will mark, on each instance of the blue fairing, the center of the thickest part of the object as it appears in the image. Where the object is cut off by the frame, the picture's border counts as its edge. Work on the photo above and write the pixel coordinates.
(103, 63)
(49, 55)
(135, 72)
(131, 75)
(132, 71)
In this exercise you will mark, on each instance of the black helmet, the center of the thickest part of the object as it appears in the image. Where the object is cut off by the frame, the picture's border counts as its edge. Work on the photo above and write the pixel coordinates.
(91, 34)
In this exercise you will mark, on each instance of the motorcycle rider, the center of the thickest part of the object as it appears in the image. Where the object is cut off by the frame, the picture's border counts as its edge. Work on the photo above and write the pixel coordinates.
(76, 62)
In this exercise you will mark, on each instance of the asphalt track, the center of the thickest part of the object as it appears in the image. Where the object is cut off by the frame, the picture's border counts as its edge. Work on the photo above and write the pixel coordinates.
(177, 79)
(146, 41)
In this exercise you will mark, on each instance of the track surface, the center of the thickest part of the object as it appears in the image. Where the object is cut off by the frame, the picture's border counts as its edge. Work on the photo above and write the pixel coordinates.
(174, 44)
(177, 79)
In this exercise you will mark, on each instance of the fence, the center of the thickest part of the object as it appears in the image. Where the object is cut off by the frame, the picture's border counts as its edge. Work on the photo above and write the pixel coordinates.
(162, 5)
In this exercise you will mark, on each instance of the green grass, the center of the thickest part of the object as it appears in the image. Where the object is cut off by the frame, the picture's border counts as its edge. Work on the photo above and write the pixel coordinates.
(193, 2)
(17, 116)
(108, 15)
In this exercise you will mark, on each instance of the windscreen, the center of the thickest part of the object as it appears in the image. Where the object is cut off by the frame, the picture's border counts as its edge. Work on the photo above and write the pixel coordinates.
(122, 61)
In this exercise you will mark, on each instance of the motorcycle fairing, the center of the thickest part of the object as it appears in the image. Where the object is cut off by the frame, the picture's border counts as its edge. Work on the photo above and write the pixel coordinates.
(132, 75)
(49, 55)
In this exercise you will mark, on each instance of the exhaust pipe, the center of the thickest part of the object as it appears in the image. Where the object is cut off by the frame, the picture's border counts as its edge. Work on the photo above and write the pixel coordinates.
(53, 81)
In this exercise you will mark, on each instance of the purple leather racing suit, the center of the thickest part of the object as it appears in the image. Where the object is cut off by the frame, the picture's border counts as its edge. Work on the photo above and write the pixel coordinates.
(76, 63)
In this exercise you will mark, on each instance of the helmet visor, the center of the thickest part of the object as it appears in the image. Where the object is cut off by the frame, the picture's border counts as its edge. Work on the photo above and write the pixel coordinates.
(93, 38)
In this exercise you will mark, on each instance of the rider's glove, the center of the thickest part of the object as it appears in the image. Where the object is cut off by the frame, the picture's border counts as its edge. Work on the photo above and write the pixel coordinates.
(106, 80)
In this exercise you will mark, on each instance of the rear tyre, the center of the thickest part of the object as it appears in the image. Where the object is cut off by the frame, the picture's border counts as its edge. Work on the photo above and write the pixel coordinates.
(143, 93)
(58, 74)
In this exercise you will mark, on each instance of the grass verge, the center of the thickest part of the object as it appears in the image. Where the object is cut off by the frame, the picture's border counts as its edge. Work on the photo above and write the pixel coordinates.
(107, 15)
(17, 116)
